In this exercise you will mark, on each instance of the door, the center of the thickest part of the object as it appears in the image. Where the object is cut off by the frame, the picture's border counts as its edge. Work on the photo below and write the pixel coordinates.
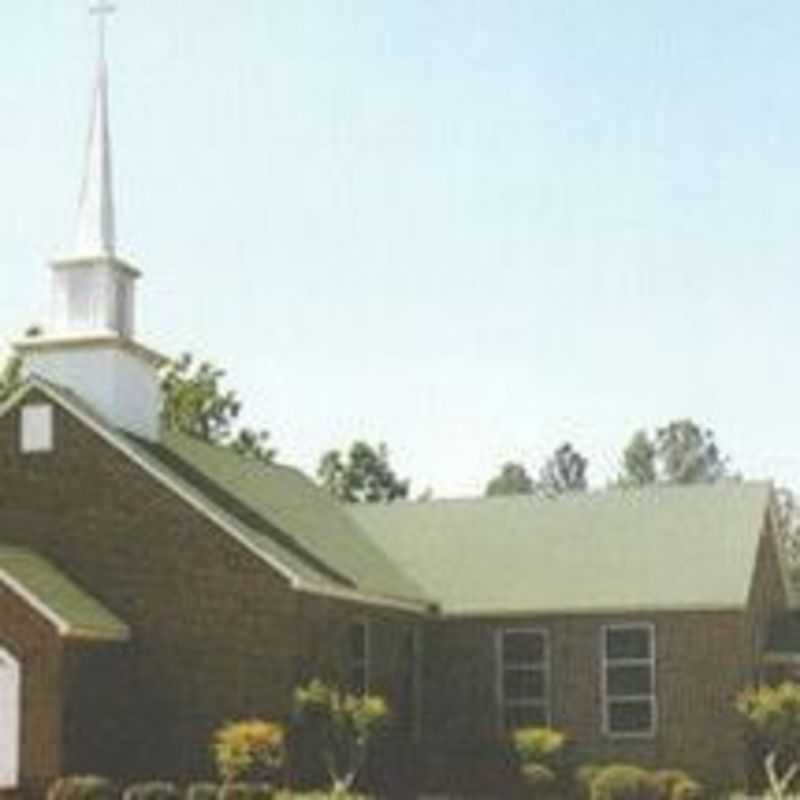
(9, 718)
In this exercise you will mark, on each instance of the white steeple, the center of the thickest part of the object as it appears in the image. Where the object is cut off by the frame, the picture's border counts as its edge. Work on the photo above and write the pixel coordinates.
(95, 234)
(88, 345)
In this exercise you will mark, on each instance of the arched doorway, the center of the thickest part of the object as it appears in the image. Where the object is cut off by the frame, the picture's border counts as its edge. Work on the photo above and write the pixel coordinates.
(9, 718)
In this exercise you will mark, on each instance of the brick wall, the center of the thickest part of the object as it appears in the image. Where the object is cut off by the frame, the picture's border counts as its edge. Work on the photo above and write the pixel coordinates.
(216, 633)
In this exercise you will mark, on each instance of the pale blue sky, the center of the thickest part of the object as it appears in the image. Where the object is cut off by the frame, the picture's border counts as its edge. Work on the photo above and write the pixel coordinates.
(470, 229)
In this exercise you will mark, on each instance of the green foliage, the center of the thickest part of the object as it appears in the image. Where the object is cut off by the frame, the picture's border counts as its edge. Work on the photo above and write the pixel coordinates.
(202, 790)
(539, 779)
(665, 781)
(151, 790)
(246, 791)
(82, 787)
(251, 749)
(564, 471)
(584, 778)
(639, 461)
(538, 745)
(341, 724)
(363, 476)
(196, 403)
(10, 377)
(679, 452)
(623, 782)
(513, 479)
(687, 789)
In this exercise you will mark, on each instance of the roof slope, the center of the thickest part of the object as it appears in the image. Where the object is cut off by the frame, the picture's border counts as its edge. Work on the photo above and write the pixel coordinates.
(656, 548)
(274, 510)
(281, 511)
(64, 603)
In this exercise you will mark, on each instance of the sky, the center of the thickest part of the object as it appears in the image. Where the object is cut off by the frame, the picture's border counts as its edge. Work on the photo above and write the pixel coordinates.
(472, 230)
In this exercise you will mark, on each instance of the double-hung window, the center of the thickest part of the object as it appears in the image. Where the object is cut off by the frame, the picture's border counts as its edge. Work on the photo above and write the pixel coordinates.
(359, 657)
(629, 680)
(523, 677)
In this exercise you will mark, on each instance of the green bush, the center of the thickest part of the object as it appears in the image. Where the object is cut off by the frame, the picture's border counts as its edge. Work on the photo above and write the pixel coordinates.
(82, 787)
(687, 789)
(623, 782)
(584, 777)
(151, 790)
(202, 790)
(252, 749)
(538, 745)
(665, 781)
(538, 778)
(246, 791)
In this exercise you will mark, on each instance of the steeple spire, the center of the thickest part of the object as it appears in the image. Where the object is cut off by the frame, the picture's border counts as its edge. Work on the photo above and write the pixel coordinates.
(95, 232)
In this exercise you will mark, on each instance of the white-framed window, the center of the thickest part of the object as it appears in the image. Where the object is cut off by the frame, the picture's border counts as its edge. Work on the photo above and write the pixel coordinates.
(36, 428)
(629, 680)
(523, 677)
(358, 643)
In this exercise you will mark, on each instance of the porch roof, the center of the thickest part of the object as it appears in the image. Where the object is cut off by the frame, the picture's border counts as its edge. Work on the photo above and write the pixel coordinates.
(73, 612)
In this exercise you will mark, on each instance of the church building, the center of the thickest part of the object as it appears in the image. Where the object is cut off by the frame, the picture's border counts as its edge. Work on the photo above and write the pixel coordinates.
(153, 586)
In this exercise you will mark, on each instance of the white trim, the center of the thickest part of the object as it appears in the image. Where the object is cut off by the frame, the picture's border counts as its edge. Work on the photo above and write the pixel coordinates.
(605, 663)
(354, 596)
(501, 668)
(594, 611)
(62, 626)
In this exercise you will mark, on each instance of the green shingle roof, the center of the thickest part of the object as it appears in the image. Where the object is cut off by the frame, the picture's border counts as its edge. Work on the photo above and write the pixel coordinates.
(72, 610)
(277, 510)
(284, 514)
(657, 548)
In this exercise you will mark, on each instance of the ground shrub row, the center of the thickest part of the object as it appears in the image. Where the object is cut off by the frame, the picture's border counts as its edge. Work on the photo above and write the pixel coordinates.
(96, 787)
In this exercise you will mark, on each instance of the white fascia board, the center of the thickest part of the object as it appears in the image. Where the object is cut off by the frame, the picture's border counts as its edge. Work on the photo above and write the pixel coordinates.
(606, 611)
(353, 595)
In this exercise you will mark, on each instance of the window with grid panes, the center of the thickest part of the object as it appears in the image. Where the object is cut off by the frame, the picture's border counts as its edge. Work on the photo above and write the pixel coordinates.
(523, 676)
(629, 690)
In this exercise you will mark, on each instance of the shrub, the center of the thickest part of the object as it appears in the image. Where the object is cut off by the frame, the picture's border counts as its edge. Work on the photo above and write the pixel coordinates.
(623, 782)
(82, 787)
(665, 781)
(538, 778)
(249, 750)
(540, 745)
(151, 790)
(584, 777)
(202, 790)
(687, 789)
(245, 791)
(339, 727)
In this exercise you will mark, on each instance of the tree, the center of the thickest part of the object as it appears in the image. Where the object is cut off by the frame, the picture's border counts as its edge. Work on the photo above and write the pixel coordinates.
(773, 714)
(10, 377)
(195, 403)
(680, 452)
(564, 471)
(364, 476)
(639, 461)
(513, 479)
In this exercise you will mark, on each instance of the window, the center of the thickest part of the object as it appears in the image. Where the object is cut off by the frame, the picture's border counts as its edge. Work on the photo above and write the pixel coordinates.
(629, 680)
(36, 432)
(523, 677)
(359, 657)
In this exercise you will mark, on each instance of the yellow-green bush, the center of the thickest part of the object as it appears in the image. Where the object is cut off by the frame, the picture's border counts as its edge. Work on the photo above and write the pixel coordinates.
(687, 789)
(539, 745)
(251, 749)
(623, 782)
(665, 781)
(202, 790)
(584, 778)
(82, 787)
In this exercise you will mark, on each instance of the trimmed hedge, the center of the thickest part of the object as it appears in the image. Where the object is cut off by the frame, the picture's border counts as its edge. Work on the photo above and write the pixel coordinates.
(202, 790)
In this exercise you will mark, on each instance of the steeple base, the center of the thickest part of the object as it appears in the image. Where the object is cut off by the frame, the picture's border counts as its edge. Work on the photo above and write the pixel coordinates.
(117, 377)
